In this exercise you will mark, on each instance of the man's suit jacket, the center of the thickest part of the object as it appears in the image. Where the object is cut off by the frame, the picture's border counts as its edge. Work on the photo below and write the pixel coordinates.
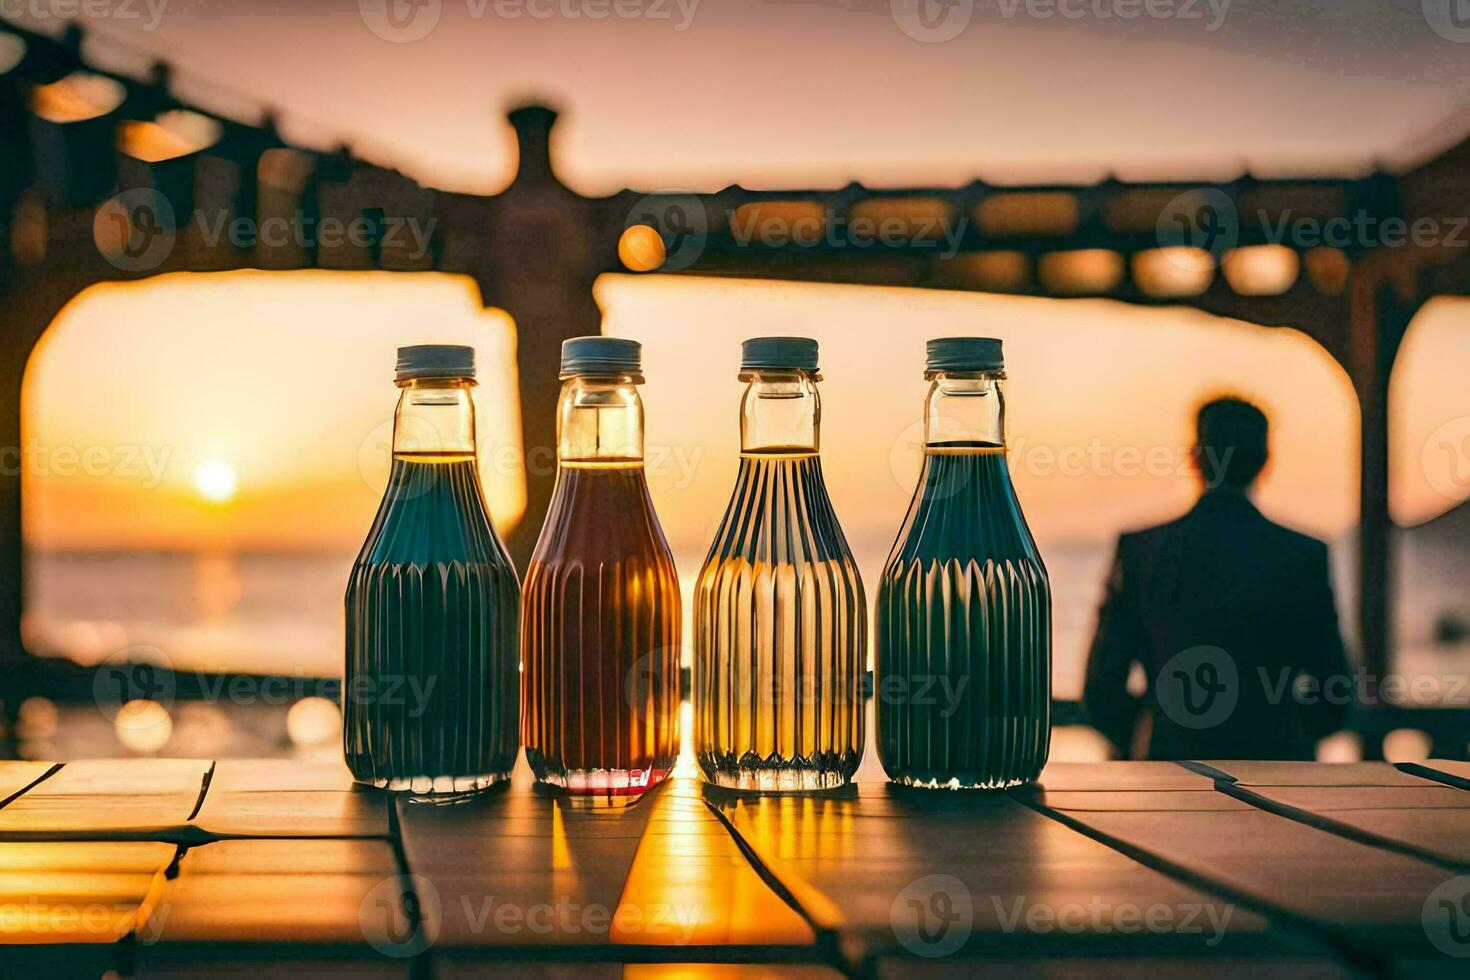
(1232, 619)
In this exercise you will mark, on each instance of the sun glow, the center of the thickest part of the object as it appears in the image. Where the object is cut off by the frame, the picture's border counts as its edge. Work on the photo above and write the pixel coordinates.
(215, 480)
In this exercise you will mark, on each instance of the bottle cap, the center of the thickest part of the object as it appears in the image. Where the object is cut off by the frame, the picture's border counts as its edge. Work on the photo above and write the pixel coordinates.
(435, 361)
(778, 354)
(600, 357)
(965, 354)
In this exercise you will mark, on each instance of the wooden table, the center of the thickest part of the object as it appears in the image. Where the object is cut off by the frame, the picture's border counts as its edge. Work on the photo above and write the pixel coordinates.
(155, 868)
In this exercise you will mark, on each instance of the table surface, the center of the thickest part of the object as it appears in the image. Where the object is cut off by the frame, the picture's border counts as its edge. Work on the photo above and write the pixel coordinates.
(154, 867)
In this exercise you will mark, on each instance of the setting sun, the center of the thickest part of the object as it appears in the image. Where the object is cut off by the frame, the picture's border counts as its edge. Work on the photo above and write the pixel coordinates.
(215, 480)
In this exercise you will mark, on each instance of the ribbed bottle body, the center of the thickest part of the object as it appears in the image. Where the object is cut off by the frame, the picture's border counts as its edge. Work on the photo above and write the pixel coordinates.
(780, 636)
(963, 681)
(600, 639)
(430, 698)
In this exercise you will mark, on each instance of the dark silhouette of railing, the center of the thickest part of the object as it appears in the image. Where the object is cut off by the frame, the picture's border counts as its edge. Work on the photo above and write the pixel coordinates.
(536, 248)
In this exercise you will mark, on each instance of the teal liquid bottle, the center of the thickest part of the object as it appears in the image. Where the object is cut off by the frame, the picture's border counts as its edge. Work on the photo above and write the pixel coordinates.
(431, 694)
(780, 619)
(963, 679)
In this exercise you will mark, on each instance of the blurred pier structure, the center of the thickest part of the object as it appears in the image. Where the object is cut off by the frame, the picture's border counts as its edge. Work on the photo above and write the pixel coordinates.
(86, 195)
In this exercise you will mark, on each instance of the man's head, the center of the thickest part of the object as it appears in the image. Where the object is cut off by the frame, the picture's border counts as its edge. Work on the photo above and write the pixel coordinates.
(1230, 443)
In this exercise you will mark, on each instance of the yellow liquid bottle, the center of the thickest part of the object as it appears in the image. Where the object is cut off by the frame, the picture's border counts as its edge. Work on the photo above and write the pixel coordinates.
(780, 630)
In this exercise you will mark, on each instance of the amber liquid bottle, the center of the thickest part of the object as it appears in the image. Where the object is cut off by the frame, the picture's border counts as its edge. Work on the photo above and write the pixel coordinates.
(430, 695)
(600, 610)
(963, 680)
(781, 625)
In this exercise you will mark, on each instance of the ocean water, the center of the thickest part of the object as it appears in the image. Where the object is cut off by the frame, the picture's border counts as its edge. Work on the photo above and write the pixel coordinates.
(283, 612)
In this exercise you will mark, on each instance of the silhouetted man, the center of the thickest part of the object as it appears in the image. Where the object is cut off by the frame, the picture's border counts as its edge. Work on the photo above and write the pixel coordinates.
(1230, 616)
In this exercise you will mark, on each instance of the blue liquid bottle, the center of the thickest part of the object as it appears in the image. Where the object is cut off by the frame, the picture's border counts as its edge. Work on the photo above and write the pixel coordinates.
(963, 681)
(431, 695)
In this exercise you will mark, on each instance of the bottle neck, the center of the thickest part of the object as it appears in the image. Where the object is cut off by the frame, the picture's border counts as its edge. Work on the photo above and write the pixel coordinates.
(435, 420)
(781, 412)
(965, 410)
(599, 423)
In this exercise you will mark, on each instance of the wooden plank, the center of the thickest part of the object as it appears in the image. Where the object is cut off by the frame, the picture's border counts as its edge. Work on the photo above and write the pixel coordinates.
(523, 871)
(1366, 900)
(321, 909)
(519, 868)
(311, 857)
(1254, 773)
(1097, 800)
(294, 813)
(1431, 822)
(1121, 968)
(336, 911)
(109, 798)
(883, 870)
(1130, 776)
(1447, 771)
(17, 777)
(78, 893)
(690, 886)
(280, 775)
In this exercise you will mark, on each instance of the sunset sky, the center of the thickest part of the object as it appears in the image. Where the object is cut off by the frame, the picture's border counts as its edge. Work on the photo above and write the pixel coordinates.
(182, 380)
(250, 411)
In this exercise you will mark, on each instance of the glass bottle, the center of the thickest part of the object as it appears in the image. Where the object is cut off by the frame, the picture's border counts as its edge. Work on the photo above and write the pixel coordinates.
(600, 614)
(781, 623)
(430, 696)
(963, 683)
